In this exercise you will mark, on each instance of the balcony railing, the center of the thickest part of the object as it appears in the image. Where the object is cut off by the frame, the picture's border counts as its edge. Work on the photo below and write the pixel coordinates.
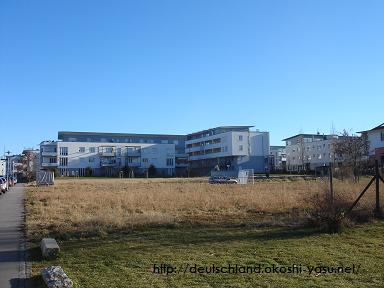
(44, 164)
(134, 152)
(134, 164)
(49, 153)
(108, 163)
(107, 154)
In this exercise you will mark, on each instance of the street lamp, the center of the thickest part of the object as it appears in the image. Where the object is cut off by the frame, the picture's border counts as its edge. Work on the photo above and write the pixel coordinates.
(7, 166)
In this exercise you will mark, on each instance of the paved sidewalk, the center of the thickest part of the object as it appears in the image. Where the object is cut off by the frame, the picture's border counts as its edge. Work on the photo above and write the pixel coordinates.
(12, 254)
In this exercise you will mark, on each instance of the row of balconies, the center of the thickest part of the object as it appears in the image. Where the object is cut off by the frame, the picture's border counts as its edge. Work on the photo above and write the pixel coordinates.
(203, 147)
(103, 154)
(102, 163)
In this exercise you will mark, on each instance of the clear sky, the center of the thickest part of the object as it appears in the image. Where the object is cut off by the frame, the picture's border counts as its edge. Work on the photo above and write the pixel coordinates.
(182, 66)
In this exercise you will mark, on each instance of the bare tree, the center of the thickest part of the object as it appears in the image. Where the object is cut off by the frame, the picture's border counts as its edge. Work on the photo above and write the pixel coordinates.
(353, 150)
(301, 147)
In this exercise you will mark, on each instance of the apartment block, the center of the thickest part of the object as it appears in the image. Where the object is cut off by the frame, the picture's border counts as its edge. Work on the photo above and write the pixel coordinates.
(277, 158)
(375, 137)
(227, 148)
(307, 152)
(3, 165)
(106, 154)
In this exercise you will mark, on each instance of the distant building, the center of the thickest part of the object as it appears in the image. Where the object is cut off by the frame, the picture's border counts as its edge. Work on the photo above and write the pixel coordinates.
(9, 163)
(278, 158)
(227, 148)
(3, 165)
(375, 138)
(30, 162)
(307, 152)
(106, 154)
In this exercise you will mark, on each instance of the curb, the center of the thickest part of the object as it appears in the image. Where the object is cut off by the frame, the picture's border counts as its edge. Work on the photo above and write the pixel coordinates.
(25, 267)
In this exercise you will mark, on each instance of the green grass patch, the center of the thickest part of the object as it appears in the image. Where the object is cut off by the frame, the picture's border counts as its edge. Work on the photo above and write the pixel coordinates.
(128, 260)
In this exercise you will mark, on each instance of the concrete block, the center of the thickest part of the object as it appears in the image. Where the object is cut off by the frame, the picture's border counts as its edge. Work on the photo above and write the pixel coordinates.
(55, 277)
(49, 248)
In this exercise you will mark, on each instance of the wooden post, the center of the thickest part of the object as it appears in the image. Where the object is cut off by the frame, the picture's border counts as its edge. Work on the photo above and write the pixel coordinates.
(331, 183)
(377, 178)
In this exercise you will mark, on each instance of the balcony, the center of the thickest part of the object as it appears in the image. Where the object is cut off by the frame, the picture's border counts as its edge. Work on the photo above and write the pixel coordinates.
(49, 153)
(107, 154)
(134, 152)
(181, 165)
(108, 163)
(45, 164)
(134, 164)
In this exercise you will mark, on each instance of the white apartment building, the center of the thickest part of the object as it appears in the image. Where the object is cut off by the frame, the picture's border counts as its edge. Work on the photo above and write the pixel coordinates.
(375, 137)
(227, 148)
(3, 165)
(278, 158)
(106, 158)
(306, 152)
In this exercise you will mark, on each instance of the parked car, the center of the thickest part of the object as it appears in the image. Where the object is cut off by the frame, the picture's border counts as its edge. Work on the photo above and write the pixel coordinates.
(222, 180)
(14, 180)
(3, 185)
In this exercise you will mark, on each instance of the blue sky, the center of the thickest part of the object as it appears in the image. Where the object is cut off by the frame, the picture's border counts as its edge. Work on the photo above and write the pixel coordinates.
(182, 66)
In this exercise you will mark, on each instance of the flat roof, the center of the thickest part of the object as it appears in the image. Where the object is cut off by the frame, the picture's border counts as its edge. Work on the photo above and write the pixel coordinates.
(306, 135)
(220, 127)
(62, 133)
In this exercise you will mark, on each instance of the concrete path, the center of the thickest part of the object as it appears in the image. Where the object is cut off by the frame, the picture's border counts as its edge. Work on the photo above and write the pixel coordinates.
(12, 252)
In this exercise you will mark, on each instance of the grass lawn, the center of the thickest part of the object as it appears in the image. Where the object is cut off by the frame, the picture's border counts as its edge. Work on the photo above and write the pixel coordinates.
(118, 260)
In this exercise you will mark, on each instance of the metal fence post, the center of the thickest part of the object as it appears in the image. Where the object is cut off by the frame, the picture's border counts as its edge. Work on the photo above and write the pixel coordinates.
(378, 211)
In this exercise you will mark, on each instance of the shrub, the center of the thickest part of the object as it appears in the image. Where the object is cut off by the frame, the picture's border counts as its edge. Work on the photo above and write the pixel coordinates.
(327, 216)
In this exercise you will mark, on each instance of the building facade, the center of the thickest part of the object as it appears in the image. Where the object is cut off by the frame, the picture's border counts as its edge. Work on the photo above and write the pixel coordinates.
(108, 154)
(227, 148)
(278, 158)
(307, 152)
(3, 166)
(375, 137)
(30, 163)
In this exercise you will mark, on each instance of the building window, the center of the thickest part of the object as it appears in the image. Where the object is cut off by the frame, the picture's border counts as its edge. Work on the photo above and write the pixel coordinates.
(382, 135)
(91, 159)
(92, 150)
(82, 149)
(169, 161)
(145, 160)
(240, 137)
(118, 151)
(52, 160)
(64, 151)
(240, 147)
(63, 161)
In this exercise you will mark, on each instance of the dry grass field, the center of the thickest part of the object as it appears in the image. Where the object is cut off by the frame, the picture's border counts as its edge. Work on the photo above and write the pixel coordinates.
(79, 207)
(107, 231)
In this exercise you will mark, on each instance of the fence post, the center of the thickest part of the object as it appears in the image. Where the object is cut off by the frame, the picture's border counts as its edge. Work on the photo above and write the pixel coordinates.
(378, 212)
(331, 184)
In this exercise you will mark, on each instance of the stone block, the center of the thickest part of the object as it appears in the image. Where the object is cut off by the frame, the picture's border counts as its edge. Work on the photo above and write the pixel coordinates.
(55, 277)
(49, 248)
